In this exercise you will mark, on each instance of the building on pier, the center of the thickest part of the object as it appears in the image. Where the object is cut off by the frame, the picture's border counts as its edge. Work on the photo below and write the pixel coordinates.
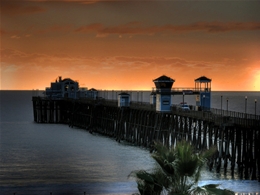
(62, 88)
(68, 88)
(163, 86)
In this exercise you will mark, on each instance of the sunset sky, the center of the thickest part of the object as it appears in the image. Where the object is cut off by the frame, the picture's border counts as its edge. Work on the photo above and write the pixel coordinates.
(126, 44)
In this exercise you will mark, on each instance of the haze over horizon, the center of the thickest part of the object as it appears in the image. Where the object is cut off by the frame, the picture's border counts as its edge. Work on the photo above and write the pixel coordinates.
(126, 44)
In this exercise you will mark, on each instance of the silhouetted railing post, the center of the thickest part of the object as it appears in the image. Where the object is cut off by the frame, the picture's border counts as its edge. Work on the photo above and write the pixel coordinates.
(245, 105)
(221, 105)
(227, 106)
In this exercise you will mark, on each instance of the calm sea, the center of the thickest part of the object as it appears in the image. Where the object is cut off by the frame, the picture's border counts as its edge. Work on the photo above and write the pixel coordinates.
(39, 159)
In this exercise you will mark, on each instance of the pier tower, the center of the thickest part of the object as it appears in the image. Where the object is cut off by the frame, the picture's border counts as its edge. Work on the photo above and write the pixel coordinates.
(163, 86)
(203, 86)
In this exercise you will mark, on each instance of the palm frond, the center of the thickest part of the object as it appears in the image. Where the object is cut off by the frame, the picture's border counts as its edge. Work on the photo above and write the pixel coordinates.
(210, 189)
(142, 175)
(150, 183)
(165, 158)
(188, 160)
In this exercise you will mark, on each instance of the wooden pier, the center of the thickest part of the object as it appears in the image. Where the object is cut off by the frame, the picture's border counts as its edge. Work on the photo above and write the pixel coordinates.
(236, 135)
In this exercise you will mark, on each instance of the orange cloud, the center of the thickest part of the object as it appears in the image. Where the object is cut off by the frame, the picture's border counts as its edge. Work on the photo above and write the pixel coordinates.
(223, 27)
(55, 29)
(134, 28)
(15, 34)
(15, 8)
(3, 32)
(90, 28)
(65, 1)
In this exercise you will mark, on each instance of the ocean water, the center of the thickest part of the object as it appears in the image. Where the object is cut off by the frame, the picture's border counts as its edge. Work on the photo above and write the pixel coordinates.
(43, 159)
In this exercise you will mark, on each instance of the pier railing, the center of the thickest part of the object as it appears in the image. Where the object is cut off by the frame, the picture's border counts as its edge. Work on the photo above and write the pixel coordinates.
(189, 90)
(221, 116)
(185, 89)
(218, 116)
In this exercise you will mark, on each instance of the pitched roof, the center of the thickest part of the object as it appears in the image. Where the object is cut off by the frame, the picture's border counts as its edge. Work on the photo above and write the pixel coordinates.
(164, 79)
(66, 80)
(123, 93)
(203, 79)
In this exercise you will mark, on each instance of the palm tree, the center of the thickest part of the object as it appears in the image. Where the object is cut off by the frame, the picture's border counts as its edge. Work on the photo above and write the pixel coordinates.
(180, 168)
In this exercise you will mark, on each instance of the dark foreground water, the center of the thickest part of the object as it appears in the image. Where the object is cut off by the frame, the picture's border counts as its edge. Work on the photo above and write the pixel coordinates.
(51, 158)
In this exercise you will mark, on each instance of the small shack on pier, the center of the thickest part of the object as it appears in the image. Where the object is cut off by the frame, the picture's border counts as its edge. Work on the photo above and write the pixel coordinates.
(123, 100)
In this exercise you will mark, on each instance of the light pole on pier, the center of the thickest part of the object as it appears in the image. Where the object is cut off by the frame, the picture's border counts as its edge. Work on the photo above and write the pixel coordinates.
(245, 104)
(255, 107)
(227, 104)
(221, 104)
(141, 97)
(203, 102)
(183, 94)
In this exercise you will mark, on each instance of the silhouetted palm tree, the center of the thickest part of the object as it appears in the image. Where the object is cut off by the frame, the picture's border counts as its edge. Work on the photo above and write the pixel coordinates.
(179, 172)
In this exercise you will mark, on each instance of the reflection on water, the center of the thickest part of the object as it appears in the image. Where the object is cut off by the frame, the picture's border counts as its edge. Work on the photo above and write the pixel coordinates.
(56, 154)
(95, 188)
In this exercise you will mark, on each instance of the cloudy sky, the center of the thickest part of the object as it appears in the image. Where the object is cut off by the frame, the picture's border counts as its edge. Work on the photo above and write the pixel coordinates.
(126, 44)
